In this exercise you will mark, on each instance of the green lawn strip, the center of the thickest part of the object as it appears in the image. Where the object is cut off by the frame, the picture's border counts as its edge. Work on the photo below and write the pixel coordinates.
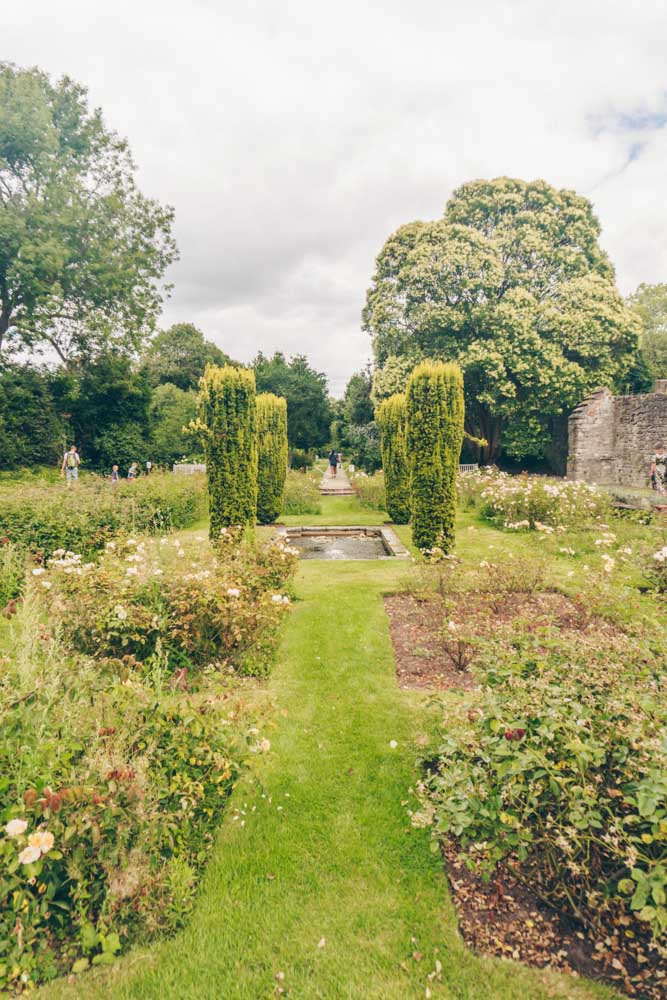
(337, 511)
(333, 831)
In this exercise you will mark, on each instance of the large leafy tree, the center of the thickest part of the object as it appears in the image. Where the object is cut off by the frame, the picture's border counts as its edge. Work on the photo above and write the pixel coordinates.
(82, 252)
(650, 304)
(513, 285)
(32, 431)
(171, 409)
(179, 356)
(308, 410)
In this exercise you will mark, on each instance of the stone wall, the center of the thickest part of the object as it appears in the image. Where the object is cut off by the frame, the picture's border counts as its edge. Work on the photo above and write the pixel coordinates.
(611, 438)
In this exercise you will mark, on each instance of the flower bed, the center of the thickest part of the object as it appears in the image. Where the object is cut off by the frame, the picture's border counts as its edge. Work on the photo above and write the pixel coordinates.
(45, 517)
(121, 740)
(302, 494)
(532, 502)
(559, 772)
(370, 489)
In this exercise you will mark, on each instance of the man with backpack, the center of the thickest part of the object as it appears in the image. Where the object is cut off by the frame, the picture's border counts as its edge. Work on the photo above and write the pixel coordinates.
(70, 466)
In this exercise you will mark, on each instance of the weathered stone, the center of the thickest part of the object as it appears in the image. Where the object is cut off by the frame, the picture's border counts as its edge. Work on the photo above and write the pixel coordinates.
(612, 438)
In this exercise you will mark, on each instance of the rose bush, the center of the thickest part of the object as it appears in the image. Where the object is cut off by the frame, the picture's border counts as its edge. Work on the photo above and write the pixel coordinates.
(45, 516)
(532, 502)
(180, 604)
(370, 489)
(562, 775)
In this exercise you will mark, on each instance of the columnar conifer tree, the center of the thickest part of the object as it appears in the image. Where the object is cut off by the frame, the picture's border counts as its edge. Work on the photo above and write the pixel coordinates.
(392, 420)
(227, 418)
(272, 455)
(435, 411)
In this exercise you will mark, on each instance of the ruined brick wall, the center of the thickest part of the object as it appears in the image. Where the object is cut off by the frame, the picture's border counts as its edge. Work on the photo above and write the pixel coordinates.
(611, 438)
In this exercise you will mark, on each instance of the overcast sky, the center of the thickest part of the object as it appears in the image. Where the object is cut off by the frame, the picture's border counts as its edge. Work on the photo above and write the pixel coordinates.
(293, 137)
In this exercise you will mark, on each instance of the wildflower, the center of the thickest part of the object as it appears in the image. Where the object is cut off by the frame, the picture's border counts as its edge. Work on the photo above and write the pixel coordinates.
(264, 745)
(131, 541)
(233, 592)
(131, 571)
(46, 584)
(120, 612)
(43, 840)
(163, 541)
(39, 571)
(393, 744)
(16, 827)
(180, 553)
(110, 546)
(157, 572)
(29, 855)
(277, 598)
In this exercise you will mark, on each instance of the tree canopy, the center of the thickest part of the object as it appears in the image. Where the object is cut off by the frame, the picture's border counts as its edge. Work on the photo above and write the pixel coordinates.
(513, 285)
(179, 356)
(82, 252)
(308, 410)
(650, 304)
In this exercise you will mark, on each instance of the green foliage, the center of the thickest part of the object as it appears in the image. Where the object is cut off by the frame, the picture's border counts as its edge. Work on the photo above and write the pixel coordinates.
(357, 403)
(302, 494)
(31, 431)
(512, 285)
(301, 460)
(272, 456)
(227, 417)
(435, 413)
(12, 572)
(392, 420)
(529, 502)
(362, 446)
(83, 251)
(650, 304)
(308, 410)
(564, 774)
(121, 445)
(44, 517)
(370, 489)
(171, 410)
(115, 772)
(178, 356)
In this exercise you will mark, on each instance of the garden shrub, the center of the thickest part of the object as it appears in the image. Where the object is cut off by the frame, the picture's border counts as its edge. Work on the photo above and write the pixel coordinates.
(12, 572)
(227, 420)
(43, 517)
(121, 740)
(563, 777)
(272, 456)
(174, 604)
(370, 489)
(392, 420)
(435, 412)
(302, 494)
(301, 460)
(527, 502)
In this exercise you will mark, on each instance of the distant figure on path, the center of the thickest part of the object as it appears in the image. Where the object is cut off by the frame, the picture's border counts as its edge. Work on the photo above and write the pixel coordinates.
(70, 466)
(149, 466)
(659, 469)
(339, 459)
(115, 478)
(133, 471)
(333, 462)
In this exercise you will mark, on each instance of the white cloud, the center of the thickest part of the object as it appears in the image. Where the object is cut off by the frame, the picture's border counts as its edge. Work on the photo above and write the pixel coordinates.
(292, 137)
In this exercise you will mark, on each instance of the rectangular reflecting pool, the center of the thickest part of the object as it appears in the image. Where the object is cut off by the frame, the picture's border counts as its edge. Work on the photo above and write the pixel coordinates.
(345, 543)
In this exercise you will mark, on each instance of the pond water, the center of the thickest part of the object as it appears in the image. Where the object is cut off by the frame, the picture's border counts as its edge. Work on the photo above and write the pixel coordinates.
(340, 546)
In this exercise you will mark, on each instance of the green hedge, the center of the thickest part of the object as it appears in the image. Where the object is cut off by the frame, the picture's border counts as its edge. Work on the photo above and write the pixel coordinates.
(272, 456)
(228, 417)
(435, 412)
(391, 416)
(43, 516)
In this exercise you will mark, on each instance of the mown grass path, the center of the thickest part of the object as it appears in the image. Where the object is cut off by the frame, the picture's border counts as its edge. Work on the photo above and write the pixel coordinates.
(325, 883)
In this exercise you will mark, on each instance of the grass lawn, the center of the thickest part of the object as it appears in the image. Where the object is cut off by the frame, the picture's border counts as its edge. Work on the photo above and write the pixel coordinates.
(317, 885)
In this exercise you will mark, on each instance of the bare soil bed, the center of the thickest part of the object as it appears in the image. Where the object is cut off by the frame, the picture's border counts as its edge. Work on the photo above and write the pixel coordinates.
(505, 919)
(427, 655)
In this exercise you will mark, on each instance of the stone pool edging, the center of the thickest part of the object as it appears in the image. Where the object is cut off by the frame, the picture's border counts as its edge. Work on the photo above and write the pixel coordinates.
(390, 539)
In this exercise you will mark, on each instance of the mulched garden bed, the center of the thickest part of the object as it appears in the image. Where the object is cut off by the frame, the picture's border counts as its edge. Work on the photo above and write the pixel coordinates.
(504, 919)
(426, 655)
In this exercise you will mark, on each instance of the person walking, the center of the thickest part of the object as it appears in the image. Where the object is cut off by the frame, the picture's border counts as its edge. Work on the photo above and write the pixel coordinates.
(70, 467)
(115, 478)
(658, 470)
(132, 472)
(333, 462)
